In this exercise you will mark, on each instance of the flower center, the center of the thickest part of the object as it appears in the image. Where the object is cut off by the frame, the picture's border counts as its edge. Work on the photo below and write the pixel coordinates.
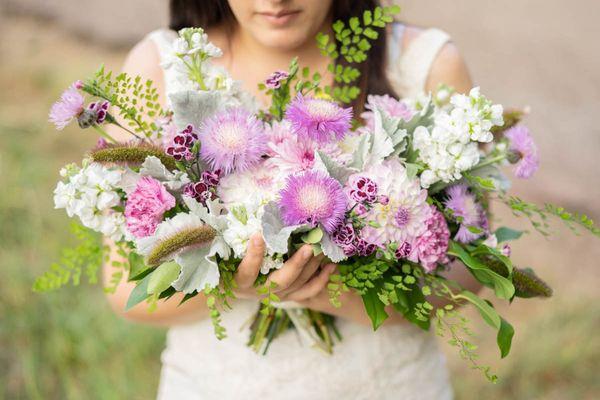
(402, 217)
(322, 109)
(232, 138)
(313, 200)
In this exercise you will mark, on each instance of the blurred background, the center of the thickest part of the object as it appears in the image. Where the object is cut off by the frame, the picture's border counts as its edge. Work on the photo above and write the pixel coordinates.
(69, 345)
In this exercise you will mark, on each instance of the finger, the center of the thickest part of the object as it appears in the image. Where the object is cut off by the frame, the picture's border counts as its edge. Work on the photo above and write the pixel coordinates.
(307, 272)
(250, 265)
(292, 268)
(314, 286)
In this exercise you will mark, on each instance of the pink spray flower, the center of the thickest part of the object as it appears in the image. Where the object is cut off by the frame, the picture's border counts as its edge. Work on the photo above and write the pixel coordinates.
(70, 105)
(146, 206)
(387, 104)
(468, 212)
(521, 144)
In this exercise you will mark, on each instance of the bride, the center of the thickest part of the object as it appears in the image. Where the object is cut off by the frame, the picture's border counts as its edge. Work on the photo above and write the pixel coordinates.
(398, 361)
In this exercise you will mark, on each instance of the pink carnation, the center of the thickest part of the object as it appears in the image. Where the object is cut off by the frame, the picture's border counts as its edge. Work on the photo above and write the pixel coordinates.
(431, 248)
(146, 205)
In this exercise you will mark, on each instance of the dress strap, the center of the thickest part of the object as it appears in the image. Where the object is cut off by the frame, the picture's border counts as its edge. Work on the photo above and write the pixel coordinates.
(409, 73)
(394, 47)
(163, 39)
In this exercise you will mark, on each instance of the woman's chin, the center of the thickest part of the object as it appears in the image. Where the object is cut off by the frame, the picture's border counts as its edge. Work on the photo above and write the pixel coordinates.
(283, 39)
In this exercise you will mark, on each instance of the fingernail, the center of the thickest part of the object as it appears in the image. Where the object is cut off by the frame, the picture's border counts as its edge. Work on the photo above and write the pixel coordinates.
(257, 240)
(307, 252)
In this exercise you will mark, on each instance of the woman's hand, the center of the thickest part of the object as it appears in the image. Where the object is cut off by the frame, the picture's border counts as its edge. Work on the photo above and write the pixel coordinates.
(298, 279)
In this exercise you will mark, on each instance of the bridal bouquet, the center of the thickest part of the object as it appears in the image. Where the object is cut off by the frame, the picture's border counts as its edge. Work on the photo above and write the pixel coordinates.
(395, 196)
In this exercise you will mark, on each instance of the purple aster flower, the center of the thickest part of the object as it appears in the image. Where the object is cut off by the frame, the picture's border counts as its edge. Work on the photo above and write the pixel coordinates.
(182, 144)
(274, 81)
(524, 149)
(318, 119)
(233, 140)
(70, 105)
(468, 213)
(431, 248)
(314, 198)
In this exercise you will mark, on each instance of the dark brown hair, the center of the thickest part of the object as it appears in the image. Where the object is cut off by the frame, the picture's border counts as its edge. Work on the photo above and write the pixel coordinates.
(373, 80)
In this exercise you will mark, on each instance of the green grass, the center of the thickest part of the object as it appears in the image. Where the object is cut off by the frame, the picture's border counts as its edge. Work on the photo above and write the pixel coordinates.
(66, 344)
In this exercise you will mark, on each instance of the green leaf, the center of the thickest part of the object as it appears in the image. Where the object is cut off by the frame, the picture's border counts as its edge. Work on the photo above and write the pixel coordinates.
(489, 315)
(163, 276)
(504, 338)
(367, 17)
(138, 294)
(137, 266)
(504, 234)
(503, 287)
(313, 236)
(371, 33)
(374, 307)
(407, 302)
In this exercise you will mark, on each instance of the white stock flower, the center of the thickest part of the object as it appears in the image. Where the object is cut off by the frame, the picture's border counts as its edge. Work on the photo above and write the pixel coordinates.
(446, 154)
(476, 114)
(243, 221)
(90, 194)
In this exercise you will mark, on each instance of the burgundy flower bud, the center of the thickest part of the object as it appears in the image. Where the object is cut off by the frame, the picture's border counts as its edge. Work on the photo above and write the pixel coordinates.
(344, 235)
(365, 248)
(275, 79)
(211, 178)
(100, 109)
(182, 144)
(506, 251)
(364, 190)
(403, 250)
(360, 210)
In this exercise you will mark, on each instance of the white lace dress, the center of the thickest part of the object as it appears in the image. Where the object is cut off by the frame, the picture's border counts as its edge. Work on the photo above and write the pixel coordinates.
(396, 362)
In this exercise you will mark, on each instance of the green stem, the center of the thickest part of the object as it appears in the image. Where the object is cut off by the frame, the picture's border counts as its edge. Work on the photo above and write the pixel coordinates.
(104, 134)
(128, 130)
(489, 161)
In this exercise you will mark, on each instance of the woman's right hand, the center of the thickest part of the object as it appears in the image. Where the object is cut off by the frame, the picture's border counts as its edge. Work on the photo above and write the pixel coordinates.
(299, 278)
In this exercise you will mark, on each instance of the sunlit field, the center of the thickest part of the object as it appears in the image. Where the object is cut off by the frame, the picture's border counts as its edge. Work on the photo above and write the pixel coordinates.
(69, 344)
